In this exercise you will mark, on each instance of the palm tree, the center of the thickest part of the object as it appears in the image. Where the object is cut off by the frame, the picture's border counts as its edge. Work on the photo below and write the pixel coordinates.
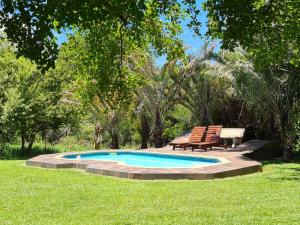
(157, 96)
(274, 92)
(175, 82)
(205, 85)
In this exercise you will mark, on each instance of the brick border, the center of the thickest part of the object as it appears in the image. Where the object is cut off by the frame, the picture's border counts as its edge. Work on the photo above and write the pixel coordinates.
(231, 165)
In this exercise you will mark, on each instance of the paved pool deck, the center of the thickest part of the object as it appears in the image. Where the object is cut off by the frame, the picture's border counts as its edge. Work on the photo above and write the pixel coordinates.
(234, 163)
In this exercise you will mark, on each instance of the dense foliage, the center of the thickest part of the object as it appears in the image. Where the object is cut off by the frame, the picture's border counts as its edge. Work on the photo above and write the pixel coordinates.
(270, 30)
(155, 106)
(32, 103)
(106, 71)
(31, 24)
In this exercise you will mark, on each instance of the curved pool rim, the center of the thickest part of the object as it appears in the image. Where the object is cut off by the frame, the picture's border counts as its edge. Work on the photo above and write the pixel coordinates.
(210, 159)
(232, 164)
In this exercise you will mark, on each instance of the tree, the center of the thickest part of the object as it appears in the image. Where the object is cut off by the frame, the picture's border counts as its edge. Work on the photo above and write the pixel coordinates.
(158, 96)
(194, 82)
(159, 93)
(32, 103)
(267, 29)
(144, 128)
(30, 25)
(205, 86)
(110, 119)
(178, 121)
(106, 85)
(273, 92)
(111, 30)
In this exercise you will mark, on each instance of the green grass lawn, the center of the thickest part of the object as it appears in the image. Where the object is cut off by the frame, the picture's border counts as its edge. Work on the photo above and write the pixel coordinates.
(30, 195)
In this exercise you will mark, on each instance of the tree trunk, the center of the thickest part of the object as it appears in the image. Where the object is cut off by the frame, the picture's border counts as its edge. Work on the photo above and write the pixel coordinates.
(114, 141)
(30, 144)
(286, 128)
(45, 146)
(157, 132)
(205, 117)
(206, 121)
(287, 154)
(157, 138)
(23, 143)
(286, 146)
(97, 136)
(145, 131)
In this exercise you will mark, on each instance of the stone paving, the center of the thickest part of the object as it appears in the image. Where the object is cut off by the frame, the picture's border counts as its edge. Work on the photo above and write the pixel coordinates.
(233, 163)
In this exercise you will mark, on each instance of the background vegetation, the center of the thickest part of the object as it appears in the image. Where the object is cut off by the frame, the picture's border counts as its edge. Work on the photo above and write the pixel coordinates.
(58, 110)
(105, 75)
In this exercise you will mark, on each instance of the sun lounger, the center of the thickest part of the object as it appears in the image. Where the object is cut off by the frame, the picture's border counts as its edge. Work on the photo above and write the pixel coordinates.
(212, 138)
(195, 137)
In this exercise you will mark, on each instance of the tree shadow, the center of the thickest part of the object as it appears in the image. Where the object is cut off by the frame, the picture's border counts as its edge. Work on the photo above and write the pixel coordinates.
(287, 174)
(295, 159)
(287, 171)
(15, 153)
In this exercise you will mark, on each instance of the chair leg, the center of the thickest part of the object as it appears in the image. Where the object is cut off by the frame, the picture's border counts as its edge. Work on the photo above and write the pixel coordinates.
(173, 147)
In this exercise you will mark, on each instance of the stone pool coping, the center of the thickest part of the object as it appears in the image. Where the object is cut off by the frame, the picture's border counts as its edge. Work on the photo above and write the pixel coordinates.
(232, 164)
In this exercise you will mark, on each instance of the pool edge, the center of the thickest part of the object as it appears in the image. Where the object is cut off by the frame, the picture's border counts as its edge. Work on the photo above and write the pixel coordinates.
(235, 166)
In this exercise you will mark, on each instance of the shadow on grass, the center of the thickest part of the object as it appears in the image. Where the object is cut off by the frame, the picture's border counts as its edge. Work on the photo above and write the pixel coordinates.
(287, 174)
(15, 153)
(286, 171)
(295, 159)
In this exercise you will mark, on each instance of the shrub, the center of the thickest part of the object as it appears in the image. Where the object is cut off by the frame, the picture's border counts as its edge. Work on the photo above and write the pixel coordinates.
(296, 146)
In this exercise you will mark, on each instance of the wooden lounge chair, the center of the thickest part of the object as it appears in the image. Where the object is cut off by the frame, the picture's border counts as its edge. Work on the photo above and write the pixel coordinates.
(195, 137)
(212, 138)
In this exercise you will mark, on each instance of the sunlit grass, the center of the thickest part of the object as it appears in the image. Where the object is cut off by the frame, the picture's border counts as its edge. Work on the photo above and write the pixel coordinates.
(32, 195)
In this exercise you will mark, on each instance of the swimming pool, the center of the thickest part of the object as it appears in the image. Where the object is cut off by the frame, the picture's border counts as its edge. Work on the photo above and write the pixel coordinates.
(146, 160)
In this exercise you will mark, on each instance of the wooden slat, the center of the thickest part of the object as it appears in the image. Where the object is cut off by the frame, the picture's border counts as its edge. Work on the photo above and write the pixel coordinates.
(197, 134)
(211, 131)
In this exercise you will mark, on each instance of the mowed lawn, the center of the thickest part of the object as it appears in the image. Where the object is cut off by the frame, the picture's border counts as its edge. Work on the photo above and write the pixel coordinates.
(30, 195)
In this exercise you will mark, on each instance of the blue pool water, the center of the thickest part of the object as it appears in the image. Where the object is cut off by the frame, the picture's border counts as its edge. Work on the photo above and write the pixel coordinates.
(147, 160)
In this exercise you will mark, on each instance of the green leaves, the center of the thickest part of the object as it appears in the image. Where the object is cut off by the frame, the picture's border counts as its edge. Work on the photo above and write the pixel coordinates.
(268, 29)
(32, 102)
(30, 25)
